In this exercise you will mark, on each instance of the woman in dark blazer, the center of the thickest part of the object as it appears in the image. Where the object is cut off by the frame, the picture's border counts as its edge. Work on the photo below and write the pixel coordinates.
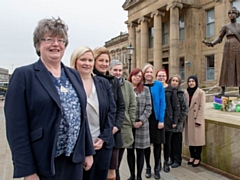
(45, 111)
(101, 66)
(171, 115)
(101, 112)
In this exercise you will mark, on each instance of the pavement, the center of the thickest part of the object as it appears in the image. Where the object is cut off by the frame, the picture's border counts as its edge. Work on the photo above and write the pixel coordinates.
(184, 172)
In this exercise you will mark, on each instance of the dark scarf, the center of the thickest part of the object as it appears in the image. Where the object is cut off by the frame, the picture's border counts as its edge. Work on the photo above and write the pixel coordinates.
(107, 76)
(191, 91)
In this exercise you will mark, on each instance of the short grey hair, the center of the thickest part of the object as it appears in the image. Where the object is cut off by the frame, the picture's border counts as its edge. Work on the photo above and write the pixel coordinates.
(115, 62)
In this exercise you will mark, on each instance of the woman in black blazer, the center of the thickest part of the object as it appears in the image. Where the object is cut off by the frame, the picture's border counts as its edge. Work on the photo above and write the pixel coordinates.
(45, 111)
(101, 112)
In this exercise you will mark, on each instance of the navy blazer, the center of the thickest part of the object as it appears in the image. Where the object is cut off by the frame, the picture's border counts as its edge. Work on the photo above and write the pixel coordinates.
(33, 113)
(107, 110)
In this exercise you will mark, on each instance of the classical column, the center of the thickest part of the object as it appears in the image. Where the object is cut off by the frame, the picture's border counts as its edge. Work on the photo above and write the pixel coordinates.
(138, 48)
(132, 39)
(157, 46)
(144, 40)
(174, 37)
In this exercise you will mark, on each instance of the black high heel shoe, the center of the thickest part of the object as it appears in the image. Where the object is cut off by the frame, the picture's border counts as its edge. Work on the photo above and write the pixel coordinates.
(190, 162)
(195, 165)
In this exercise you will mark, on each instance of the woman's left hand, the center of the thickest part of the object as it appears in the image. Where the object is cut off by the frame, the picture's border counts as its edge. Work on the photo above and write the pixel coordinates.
(138, 124)
(87, 164)
(98, 144)
(174, 126)
(115, 129)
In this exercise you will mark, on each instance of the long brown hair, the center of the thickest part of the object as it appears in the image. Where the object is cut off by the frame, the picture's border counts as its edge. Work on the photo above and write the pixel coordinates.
(140, 86)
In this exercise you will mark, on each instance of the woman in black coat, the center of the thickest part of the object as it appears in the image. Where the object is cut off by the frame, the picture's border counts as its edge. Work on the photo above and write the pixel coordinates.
(102, 60)
(171, 115)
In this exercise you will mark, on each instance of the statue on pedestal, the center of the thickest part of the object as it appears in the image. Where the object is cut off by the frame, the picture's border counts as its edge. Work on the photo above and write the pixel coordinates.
(230, 70)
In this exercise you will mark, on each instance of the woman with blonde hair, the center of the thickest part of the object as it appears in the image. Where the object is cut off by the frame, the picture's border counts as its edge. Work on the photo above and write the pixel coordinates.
(101, 112)
(101, 66)
(156, 120)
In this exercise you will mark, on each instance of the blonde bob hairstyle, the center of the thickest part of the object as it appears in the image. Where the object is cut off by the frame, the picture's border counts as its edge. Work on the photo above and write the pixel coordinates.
(78, 53)
(146, 67)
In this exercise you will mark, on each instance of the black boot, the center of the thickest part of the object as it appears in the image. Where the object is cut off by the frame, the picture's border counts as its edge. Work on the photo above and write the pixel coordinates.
(157, 174)
(148, 172)
(222, 92)
(166, 167)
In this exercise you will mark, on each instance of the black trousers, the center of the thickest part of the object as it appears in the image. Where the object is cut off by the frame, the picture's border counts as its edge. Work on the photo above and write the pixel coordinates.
(167, 146)
(65, 169)
(176, 147)
(195, 152)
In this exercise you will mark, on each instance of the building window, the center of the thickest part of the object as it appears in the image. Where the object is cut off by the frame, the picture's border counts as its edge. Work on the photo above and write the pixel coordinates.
(181, 68)
(119, 57)
(181, 28)
(165, 33)
(210, 67)
(210, 23)
(236, 4)
(124, 58)
(151, 37)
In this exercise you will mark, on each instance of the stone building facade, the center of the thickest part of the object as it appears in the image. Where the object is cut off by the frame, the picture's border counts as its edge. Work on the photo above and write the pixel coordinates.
(169, 34)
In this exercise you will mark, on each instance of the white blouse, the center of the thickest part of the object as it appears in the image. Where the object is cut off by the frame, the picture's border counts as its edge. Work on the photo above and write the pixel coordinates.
(93, 113)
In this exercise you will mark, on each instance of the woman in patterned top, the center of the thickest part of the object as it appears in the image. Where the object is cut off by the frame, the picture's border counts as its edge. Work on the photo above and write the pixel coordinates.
(45, 111)
(101, 112)
(141, 125)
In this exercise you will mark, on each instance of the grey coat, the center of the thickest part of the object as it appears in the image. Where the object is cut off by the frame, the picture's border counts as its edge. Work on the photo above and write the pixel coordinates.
(143, 111)
(183, 110)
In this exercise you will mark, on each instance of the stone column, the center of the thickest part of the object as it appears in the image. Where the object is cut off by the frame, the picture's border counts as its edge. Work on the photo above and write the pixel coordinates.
(138, 48)
(132, 39)
(174, 37)
(157, 46)
(144, 41)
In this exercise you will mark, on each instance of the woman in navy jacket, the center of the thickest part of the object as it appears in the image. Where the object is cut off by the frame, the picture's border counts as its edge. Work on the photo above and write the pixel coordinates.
(45, 111)
(101, 112)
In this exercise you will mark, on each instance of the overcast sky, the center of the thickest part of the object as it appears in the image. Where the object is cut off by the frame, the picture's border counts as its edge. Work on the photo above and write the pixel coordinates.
(90, 22)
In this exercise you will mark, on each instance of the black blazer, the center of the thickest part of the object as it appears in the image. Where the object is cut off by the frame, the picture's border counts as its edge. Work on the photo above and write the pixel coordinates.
(107, 110)
(33, 112)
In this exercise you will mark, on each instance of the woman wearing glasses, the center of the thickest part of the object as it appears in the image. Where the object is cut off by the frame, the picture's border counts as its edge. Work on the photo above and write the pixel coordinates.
(45, 109)
(141, 125)
(171, 115)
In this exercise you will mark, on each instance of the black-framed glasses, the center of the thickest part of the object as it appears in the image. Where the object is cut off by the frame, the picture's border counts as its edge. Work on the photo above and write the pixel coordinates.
(52, 40)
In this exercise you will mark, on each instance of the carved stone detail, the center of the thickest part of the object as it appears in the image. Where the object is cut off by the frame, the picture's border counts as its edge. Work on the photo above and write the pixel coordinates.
(142, 19)
(157, 13)
(173, 5)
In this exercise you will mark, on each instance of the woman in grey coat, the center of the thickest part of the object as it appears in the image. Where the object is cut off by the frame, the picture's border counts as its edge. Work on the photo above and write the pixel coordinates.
(141, 125)
(176, 141)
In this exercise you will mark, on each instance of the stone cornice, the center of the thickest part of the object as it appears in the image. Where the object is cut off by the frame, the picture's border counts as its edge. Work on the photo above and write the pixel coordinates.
(142, 19)
(132, 24)
(157, 13)
(173, 5)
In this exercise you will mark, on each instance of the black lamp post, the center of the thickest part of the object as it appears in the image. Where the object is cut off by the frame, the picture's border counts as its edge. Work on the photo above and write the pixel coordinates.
(130, 52)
